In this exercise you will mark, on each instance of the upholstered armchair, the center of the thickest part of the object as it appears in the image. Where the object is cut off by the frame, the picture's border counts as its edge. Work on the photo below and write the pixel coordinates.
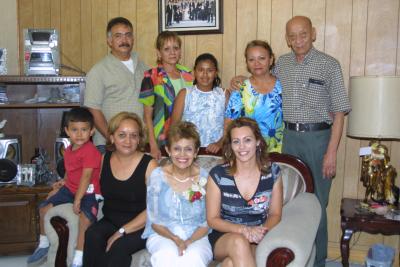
(290, 243)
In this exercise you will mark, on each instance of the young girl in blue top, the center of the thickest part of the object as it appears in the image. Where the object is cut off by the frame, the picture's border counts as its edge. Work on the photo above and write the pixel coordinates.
(203, 104)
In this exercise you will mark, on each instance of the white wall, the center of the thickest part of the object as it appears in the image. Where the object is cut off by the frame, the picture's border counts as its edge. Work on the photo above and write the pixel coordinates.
(9, 34)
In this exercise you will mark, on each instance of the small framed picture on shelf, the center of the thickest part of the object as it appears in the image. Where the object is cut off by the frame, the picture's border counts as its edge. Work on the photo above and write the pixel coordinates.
(3, 61)
(190, 16)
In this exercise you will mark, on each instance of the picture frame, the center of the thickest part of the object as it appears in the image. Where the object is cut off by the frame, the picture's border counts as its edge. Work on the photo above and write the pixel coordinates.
(190, 16)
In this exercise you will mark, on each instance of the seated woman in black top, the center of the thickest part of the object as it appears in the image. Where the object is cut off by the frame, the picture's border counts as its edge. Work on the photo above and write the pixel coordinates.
(244, 195)
(112, 240)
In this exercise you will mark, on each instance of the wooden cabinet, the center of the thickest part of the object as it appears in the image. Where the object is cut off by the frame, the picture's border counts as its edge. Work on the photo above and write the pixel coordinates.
(19, 218)
(37, 122)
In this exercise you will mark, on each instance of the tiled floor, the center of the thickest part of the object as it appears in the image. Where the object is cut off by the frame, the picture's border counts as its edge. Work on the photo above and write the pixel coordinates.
(339, 264)
(20, 261)
(15, 261)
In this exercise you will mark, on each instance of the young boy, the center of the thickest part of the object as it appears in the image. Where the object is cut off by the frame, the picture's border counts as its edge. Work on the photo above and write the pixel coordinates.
(80, 185)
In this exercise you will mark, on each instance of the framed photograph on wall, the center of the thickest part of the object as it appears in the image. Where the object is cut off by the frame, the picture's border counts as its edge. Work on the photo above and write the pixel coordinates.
(190, 16)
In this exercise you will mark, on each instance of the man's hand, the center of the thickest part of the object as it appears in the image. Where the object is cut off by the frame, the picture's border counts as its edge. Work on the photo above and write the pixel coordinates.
(329, 165)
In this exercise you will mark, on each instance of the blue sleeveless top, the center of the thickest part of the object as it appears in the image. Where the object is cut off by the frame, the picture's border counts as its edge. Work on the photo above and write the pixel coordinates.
(206, 110)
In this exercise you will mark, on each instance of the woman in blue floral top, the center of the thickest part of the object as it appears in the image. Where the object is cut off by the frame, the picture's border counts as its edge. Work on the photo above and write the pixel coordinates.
(260, 96)
(176, 227)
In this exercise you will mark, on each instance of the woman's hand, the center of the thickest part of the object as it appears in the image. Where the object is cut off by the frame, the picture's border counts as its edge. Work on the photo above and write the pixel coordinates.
(180, 244)
(188, 242)
(112, 239)
(155, 152)
(214, 147)
(237, 82)
(257, 233)
(254, 234)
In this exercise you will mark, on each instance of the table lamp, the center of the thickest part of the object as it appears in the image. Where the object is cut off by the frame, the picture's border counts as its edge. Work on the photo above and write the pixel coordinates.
(375, 115)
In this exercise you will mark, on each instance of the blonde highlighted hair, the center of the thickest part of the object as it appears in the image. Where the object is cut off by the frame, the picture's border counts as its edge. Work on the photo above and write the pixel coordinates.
(183, 130)
(115, 123)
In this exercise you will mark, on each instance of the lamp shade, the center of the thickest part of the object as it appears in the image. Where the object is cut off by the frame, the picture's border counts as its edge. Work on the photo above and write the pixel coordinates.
(375, 102)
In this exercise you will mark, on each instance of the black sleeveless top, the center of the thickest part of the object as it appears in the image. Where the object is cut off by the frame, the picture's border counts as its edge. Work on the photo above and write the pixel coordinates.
(123, 200)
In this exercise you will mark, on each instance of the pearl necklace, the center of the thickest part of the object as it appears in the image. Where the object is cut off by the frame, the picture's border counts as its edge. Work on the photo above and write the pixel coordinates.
(183, 180)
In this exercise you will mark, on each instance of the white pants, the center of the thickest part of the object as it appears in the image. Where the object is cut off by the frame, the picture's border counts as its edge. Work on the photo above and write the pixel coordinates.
(164, 252)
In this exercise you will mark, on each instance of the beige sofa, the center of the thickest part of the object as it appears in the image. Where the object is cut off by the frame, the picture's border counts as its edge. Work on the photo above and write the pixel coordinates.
(290, 243)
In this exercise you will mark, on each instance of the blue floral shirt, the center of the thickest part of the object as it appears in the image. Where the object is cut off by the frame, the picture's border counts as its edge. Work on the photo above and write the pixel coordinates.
(266, 109)
(173, 210)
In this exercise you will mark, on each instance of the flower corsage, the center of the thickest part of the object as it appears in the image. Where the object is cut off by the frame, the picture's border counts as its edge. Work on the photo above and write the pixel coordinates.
(196, 191)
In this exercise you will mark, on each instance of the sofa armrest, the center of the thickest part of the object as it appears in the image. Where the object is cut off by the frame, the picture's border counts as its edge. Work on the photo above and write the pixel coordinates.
(294, 234)
(58, 235)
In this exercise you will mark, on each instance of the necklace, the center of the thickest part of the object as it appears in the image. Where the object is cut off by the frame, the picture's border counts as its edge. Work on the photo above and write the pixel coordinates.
(183, 180)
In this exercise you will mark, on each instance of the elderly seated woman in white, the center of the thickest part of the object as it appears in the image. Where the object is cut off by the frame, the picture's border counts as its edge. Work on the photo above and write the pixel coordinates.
(176, 225)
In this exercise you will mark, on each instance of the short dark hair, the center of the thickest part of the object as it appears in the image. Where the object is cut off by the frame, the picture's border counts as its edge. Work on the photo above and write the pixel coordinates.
(115, 21)
(213, 60)
(80, 114)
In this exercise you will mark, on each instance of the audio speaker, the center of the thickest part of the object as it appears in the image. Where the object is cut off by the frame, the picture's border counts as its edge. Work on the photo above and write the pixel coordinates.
(59, 147)
(10, 157)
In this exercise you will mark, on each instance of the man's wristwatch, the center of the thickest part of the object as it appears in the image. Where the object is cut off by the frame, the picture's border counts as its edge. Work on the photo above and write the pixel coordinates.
(121, 231)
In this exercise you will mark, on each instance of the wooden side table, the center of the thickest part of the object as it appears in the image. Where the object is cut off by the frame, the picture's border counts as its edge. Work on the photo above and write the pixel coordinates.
(19, 220)
(354, 221)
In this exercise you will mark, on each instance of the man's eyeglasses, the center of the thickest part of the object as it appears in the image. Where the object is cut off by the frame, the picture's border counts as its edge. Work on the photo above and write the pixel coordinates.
(120, 35)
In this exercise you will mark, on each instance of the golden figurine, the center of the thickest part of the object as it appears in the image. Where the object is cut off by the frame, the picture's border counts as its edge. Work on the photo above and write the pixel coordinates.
(378, 176)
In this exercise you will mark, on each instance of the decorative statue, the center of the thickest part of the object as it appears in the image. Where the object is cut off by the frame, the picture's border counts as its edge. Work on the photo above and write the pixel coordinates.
(378, 176)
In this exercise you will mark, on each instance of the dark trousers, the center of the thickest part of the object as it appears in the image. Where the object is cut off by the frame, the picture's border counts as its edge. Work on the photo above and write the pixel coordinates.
(120, 253)
(311, 148)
